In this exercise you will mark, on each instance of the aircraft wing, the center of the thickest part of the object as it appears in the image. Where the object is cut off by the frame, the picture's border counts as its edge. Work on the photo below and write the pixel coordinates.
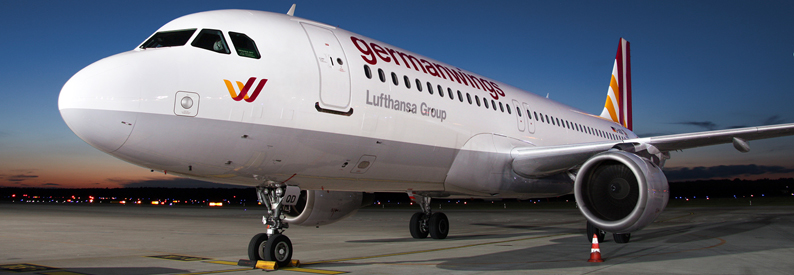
(537, 162)
(699, 139)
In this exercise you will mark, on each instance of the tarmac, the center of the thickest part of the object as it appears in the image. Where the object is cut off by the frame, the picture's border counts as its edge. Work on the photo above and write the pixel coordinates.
(141, 240)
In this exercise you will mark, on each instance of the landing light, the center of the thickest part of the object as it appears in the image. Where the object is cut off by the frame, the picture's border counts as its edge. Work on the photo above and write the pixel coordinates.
(216, 204)
(155, 202)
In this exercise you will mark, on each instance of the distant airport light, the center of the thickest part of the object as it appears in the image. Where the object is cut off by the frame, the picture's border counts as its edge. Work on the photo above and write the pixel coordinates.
(155, 202)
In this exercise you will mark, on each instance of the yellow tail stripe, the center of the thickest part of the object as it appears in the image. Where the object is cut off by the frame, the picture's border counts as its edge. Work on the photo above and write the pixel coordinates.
(615, 89)
(608, 105)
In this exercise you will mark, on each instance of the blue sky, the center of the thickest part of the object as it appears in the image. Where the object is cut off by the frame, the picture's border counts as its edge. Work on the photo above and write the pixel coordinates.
(696, 65)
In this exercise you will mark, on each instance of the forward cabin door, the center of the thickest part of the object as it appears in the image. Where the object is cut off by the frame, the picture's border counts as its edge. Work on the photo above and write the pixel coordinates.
(334, 73)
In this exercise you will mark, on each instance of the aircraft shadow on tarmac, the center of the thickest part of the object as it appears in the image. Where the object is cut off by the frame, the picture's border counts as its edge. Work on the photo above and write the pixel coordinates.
(653, 244)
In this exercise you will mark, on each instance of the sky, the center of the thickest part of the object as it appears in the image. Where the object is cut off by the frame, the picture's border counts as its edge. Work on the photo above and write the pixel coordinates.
(696, 66)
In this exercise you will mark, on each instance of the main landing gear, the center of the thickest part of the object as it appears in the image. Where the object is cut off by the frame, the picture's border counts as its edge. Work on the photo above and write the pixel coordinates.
(426, 222)
(273, 245)
(618, 237)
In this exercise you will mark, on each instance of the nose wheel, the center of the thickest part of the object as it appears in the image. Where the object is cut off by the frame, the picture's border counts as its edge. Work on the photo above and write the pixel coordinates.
(273, 245)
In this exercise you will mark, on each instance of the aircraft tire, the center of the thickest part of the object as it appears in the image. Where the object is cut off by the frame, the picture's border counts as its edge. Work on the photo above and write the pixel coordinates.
(417, 230)
(278, 249)
(621, 238)
(256, 247)
(591, 229)
(439, 226)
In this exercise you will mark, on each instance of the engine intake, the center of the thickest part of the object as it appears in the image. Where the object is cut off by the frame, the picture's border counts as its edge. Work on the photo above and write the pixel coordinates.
(317, 207)
(620, 192)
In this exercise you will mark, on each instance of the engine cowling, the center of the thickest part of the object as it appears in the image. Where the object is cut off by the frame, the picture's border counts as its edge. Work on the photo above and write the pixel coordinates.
(317, 207)
(620, 192)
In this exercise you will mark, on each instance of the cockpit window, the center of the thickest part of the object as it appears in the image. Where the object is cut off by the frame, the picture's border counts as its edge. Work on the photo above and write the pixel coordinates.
(211, 40)
(244, 45)
(168, 39)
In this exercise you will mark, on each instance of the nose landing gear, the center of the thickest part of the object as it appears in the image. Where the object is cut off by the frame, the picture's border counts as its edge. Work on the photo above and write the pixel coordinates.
(273, 245)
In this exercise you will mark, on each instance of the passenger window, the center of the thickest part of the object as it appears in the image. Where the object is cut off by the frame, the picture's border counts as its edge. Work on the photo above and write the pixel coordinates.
(460, 96)
(418, 85)
(477, 99)
(485, 101)
(468, 96)
(394, 79)
(211, 40)
(449, 92)
(519, 111)
(429, 88)
(407, 81)
(382, 75)
(244, 45)
(168, 39)
(501, 107)
(367, 72)
(440, 91)
(493, 104)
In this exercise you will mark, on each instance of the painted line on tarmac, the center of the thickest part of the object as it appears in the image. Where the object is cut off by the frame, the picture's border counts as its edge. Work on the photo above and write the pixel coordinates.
(315, 271)
(217, 271)
(433, 250)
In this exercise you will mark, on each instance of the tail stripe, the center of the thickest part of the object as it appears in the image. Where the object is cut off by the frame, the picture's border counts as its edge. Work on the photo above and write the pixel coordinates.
(618, 104)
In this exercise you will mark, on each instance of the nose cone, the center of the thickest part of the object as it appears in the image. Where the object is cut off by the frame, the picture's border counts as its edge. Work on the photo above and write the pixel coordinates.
(100, 102)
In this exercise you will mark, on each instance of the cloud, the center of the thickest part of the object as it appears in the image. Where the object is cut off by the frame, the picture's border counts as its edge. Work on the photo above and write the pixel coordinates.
(20, 177)
(774, 120)
(178, 183)
(51, 184)
(721, 171)
(708, 125)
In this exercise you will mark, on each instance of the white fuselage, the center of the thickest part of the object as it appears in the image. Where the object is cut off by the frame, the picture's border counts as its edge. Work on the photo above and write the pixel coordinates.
(319, 123)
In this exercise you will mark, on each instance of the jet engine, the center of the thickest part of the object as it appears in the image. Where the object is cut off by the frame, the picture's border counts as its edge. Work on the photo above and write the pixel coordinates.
(620, 192)
(318, 207)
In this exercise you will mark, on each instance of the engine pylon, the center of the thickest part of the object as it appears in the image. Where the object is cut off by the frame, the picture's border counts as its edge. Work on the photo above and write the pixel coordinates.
(595, 251)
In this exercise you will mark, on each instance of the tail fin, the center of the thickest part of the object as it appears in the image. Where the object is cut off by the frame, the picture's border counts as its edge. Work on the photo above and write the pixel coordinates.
(618, 105)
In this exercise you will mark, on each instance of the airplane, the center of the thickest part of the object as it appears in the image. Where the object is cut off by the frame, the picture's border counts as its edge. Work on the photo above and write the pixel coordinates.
(318, 118)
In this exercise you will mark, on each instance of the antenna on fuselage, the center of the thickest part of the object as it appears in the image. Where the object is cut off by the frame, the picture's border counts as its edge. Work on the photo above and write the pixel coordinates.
(291, 11)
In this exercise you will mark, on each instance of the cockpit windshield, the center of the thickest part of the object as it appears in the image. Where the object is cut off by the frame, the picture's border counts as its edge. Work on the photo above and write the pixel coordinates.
(244, 45)
(168, 39)
(211, 40)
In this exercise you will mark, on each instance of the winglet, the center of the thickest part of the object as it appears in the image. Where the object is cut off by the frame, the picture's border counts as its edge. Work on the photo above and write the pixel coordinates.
(618, 104)
(291, 11)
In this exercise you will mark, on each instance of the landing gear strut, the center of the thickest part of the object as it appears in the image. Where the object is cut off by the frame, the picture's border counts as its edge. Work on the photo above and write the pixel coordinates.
(273, 246)
(618, 237)
(426, 222)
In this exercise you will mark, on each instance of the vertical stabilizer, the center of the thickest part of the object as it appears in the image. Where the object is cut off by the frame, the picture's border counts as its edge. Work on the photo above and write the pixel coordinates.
(618, 105)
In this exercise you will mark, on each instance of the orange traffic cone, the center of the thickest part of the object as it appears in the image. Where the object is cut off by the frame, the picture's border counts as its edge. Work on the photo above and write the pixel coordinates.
(595, 251)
